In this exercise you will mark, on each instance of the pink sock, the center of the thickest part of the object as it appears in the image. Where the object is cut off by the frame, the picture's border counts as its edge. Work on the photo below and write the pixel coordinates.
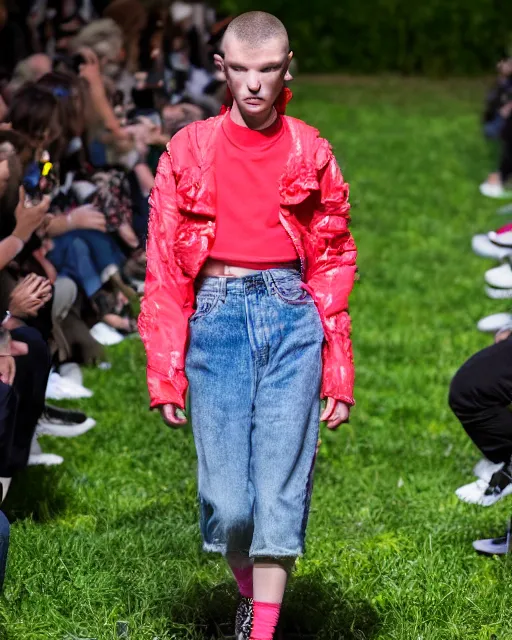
(243, 577)
(265, 619)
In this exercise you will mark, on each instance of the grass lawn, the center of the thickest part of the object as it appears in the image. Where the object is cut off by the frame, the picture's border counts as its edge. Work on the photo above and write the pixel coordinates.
(112, 534)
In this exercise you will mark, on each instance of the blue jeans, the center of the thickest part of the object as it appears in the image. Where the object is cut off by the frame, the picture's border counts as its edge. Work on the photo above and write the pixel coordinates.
(254, 368)
(83, 255)
(4, 546)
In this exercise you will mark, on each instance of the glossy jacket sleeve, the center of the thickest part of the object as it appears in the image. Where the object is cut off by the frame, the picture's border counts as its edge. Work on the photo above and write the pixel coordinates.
(331, 275)
(162, 322)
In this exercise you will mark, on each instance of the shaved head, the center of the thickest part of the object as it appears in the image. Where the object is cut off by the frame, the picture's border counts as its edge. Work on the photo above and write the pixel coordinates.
(255, 60)
(255, 28)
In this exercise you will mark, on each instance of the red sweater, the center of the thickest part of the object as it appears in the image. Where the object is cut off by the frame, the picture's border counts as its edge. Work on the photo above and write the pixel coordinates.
(248, 166)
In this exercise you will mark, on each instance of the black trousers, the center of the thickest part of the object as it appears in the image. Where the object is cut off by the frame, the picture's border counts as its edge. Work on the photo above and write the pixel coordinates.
(506, 152)
(22, 404)
(480, 395)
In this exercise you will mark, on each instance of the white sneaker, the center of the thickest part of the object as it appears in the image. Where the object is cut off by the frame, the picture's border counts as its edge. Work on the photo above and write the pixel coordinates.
(493, 546)
(71, 371)
(60, 388)
(138, 285)
(6, 483)
(502, 239)
(484, 469)
(484, 248)
(500, 277)
(487, 492)
(473, 492)
(37, 457)
(506, 210)
(45, 428)
(498, 294)
(44, 459)
(493, 323)
(106, 335)
(493, 190)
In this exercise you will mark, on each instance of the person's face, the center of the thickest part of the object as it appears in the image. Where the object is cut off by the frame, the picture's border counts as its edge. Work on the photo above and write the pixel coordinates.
(505, 67)
(4, 176)
(255, 77)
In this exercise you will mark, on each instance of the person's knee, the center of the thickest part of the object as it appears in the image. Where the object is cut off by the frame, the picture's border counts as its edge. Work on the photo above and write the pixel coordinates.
(37, 346)
(4, 528)
(79, 247)
(463, 391)
(64, 296)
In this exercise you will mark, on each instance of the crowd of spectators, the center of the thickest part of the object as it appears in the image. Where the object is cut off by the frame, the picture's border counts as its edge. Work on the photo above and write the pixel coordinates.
(481, 390)
(90, 92)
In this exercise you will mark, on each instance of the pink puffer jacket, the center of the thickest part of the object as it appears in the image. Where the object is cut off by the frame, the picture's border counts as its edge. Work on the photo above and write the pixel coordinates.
(314, 210)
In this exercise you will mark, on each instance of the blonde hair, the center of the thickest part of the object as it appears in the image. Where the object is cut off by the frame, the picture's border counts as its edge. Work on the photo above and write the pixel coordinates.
(104, 37)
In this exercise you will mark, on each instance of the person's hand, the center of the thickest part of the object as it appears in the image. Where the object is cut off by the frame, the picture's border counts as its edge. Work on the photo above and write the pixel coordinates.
(335, 413)
(7, 369)
(88, 217)
(18, 348)
(32, 293)
(90, 69)
(7, 362)
(29, 219)
(506, 110)
(169, 413)
(503, 334)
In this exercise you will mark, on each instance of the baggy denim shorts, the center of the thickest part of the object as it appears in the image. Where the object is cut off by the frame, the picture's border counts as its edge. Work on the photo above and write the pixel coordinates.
(254, 369)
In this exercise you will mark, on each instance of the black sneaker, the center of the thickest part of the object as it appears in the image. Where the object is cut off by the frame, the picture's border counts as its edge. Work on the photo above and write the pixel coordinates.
(243, 620)
(495, 546)
(64, 423)
(500, 485)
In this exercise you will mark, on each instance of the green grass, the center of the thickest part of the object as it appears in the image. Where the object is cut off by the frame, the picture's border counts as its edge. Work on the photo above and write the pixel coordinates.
(112, 534)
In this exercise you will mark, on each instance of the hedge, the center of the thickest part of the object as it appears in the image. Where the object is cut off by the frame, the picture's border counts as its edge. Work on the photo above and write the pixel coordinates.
(431, 37)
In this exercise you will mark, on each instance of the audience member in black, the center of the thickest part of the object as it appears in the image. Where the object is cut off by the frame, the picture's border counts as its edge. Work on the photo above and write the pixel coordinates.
(13, 46)
(498, 126)
(480, 397)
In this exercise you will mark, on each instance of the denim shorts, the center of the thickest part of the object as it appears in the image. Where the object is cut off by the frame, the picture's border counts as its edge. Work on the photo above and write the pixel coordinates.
(254, 369)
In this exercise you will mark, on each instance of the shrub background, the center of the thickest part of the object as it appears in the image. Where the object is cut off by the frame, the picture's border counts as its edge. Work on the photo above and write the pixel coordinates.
(433, 37)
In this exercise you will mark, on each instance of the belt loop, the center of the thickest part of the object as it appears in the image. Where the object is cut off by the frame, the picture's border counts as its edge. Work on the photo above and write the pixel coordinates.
(222, 288)
(269, 281)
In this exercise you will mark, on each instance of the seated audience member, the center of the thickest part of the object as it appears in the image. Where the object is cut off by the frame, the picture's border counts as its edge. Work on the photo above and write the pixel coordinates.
(28, 70)
(13, 45)
(23, 379)
(71, 338)
(131, 17)
(480, 396)
(101, 45)
(498, 126)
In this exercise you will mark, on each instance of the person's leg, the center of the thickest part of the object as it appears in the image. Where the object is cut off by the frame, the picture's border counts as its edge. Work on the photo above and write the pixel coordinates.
(220, 373)
(8, 403)
(30, 386)
(287, 333)
(480, 394)
(105, 253)
(506, 153)
(65, 292)
(4, 546)
(72, 258)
